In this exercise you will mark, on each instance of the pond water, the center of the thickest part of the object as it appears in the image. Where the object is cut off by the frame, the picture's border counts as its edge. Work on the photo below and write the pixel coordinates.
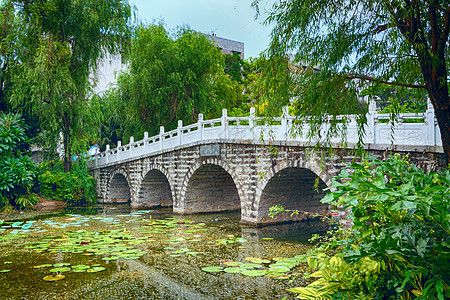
(113, 252)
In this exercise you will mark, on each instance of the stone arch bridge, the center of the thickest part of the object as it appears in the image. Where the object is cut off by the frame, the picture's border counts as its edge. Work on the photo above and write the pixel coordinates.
(222, 165)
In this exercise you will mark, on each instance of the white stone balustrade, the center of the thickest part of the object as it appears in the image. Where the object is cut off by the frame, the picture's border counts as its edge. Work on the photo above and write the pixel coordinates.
(379, 134)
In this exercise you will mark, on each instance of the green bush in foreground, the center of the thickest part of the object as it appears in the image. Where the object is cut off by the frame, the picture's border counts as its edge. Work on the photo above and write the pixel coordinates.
(74, 187)
(398, 247)
(17, 171)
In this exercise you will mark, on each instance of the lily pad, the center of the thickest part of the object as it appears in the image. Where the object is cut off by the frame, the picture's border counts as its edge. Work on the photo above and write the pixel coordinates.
(254, 273)
(5, 271)
(60, 270)
(232, 263)
(42, 266)
(95, 269)
(54, 278)
(212, 269)
(279, 269)
(61, 265)
(260, 261)
(234, 270)
(80, 267)
(110, 258)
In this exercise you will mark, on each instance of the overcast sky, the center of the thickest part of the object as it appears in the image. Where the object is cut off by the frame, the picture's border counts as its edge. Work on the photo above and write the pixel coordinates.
(231, 19)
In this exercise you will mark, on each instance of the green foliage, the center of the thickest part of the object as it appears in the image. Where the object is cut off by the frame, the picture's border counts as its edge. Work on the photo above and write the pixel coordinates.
(17, 171)
(74, 187)
(171, 77)
(324, 53)
(338, 279)
(55, 46)
(401, 226)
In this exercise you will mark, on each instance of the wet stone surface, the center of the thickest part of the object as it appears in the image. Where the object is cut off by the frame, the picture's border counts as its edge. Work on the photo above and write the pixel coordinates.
(113, 252)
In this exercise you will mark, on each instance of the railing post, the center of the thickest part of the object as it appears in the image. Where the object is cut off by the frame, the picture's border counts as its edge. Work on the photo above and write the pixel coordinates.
(430, 126)
(200, 127)
(251, 122)
(284, 125)
(119, 144)
(131, 139)
(145, 135)
(161, 137)
(370, 131)
(106, 153)
(180, 131)
(224, 123)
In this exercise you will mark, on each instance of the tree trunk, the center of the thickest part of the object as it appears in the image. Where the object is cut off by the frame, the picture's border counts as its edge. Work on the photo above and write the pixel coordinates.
(437, 87)
(442, 113)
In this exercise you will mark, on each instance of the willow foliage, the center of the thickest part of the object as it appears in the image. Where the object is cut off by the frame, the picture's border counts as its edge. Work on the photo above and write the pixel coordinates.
(54, 48)
(171, 76)
(324, 53)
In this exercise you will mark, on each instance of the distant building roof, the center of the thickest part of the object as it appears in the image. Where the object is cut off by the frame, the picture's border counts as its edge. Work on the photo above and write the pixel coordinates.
(227, 46)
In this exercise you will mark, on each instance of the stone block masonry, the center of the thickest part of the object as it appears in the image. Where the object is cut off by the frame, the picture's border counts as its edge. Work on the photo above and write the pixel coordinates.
(221, 164)
(242, 176)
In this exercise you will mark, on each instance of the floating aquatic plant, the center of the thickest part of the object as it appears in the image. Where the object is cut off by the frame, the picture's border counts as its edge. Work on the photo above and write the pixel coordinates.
(54, 278)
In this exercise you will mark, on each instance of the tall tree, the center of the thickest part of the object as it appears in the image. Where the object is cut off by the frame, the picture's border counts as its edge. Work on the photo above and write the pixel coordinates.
(56, 48)
(6, 24)
(170, 78)
(340, 47)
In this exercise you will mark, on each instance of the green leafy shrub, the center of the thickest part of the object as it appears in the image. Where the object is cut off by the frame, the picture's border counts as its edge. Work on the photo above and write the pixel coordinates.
(17, 171)
(74, 187)
(401, 225)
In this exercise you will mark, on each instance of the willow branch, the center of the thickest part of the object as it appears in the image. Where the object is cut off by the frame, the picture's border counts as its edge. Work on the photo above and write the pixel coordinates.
(373, 79)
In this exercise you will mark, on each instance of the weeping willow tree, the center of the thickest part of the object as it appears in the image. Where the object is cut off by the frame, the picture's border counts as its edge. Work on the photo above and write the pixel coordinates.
(54, 48)
(323, 54)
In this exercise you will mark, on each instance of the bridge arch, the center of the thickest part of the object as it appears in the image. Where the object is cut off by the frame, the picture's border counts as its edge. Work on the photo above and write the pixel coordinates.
(119, 189)
(292, 185)
(209, 186)
(154, 188)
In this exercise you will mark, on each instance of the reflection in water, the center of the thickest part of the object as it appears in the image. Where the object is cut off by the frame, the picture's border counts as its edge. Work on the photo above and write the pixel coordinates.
(291, 232)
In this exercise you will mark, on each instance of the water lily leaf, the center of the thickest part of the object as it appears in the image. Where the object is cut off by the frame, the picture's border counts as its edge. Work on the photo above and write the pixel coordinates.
(260, 261)
(212, 269)
(79, 271)
(234, 270)
(61, 265)
(7, 262)
(280, 265)
(232, 263)
(42, 266)
(279, 269)
(278, 258)
(65, 269)
(110, 258)
(95, 269)
(80, 267)
(16, 224)
(267, 239)
(54, 278)
(254, 273)
(5, 271)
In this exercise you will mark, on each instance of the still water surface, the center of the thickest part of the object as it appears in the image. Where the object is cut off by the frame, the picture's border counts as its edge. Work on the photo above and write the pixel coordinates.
(113, 252)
